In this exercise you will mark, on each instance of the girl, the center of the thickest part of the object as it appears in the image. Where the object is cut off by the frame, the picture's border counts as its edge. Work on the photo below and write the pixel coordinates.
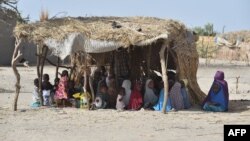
(62, 89)
(126, 84)
(150, 98)
(120, 104)
(135, 102)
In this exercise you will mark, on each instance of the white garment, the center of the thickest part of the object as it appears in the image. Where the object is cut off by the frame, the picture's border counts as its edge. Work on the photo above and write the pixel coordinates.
(120, 105)
(149, 95)
(46, 97)
(35, 95)
(126, 84)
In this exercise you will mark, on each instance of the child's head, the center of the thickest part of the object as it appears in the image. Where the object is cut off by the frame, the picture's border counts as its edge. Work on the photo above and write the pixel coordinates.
(121, 91)
(138, 86)
(150, 84)
(36, 82)
(56, 81)
(46, 77)
(103, 89)
(65, 73)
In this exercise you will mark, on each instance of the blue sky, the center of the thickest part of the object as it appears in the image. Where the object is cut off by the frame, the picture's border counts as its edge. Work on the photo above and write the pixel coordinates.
(233, 14)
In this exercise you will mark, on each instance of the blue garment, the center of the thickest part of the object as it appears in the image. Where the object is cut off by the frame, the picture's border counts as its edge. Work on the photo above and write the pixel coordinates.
(213, 108)
(185, 98)
(35, 104)
(159, 105)
(219, 100)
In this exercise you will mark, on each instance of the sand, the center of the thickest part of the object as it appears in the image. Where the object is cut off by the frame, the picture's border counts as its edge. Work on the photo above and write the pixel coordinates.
(69, 124)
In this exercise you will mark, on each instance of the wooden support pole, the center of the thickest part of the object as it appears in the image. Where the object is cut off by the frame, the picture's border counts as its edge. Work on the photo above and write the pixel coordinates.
(149, 60)
(57, 66)
(16, 55)
(164, 75)
(38, 54)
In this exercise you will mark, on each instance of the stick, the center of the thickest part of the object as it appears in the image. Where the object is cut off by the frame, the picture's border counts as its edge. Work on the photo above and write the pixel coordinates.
(164, 74)
(16, 55)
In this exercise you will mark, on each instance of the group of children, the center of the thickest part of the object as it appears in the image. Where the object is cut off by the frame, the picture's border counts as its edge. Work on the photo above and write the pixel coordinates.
(128, 97)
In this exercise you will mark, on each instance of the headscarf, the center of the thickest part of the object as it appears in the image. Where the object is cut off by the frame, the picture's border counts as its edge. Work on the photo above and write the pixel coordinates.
(149, 95)
(219, 79)
(176, 96)
(127, 86)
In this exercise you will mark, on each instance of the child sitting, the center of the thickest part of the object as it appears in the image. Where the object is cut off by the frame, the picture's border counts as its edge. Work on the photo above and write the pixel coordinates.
(35, 95)
(46, 90)
(120, 104)
(101, 100)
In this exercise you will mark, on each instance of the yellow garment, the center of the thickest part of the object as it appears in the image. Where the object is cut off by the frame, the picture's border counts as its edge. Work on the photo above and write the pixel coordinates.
(84, 99)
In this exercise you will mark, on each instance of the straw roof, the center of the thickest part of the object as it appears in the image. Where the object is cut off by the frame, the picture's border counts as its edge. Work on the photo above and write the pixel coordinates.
(126, 31)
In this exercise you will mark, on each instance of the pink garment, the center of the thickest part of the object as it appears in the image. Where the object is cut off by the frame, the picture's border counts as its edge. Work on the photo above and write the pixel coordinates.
(61, 91)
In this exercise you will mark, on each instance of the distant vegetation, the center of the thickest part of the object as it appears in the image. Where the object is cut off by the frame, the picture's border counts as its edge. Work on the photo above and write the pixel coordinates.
(207, 30)
(12, 5)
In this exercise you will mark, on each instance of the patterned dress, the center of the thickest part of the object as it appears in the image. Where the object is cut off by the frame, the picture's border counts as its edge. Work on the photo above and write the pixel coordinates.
(61, 92)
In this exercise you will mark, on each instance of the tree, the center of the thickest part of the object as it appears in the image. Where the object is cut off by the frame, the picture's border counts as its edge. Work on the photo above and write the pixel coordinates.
(207, 30)
(12, 4)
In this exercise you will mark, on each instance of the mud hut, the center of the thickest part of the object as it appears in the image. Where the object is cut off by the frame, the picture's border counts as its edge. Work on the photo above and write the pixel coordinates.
(160, 44)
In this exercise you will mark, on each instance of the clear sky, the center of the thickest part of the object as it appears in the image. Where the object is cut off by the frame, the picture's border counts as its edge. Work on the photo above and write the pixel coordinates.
(233, 14)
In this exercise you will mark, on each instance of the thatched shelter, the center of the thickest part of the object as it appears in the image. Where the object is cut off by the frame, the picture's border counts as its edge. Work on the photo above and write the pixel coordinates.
(156, 42)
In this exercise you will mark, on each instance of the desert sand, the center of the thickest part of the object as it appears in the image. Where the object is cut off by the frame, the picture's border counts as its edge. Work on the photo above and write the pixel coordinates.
(70, 124)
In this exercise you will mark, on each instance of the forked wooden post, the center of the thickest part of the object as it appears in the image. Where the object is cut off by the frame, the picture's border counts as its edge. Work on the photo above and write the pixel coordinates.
(164, 75)
(16, 55)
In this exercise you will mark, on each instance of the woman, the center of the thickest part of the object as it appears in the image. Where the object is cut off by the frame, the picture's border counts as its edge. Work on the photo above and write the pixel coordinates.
(135, 102)
(150, 99)
(218, 97)
(126, 84)
(159, 105)
(176, 96)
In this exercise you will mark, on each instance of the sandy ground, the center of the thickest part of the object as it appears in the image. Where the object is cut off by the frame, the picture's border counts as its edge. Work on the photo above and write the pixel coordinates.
(109, 125)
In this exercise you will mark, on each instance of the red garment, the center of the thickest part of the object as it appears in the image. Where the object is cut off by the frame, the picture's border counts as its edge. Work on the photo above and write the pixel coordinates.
(135, 102)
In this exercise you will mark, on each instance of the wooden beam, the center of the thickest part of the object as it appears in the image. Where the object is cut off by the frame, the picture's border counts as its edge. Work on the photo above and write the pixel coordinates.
(16, 55)
(164, 74)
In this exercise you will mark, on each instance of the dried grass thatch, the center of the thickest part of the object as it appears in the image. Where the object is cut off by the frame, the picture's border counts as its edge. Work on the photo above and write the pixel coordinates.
(125, 30)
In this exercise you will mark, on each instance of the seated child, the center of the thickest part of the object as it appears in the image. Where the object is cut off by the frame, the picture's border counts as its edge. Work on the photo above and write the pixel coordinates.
(72, 91)
(120, 104)
(159, 105)
(46, 90)
(150, 98)
(56, 82)
(135, 102)
(102, 97)
(35, 95)
(217, 98)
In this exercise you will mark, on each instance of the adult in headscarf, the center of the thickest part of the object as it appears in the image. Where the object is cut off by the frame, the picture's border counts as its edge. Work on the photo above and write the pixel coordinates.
(126, 84)
(135, 102)
(150, 98)
(218, 97)
(159, 105)
(176, 96)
